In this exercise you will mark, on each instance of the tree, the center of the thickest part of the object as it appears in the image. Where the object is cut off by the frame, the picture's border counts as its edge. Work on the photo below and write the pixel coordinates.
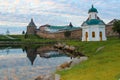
(116, 27)
(23, 32)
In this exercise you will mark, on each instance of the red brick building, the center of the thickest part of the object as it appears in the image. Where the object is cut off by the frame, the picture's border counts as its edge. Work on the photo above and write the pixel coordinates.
(109, 30)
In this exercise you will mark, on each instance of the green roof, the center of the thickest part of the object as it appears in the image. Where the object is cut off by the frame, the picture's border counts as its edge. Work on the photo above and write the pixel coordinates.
(93, 10)
(63, 27)
(57, 27)
(93, 22)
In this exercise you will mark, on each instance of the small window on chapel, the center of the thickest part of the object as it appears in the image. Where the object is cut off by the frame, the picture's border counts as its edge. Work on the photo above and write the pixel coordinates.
(95, 16)
(90, 17)
(93, 34)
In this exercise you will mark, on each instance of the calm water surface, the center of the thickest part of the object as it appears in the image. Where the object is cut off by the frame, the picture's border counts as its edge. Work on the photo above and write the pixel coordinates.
(19, 64)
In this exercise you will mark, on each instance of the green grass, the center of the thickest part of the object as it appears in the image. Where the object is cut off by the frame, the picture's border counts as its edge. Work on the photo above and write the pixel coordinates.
(32, 39)
(4, 38)
(22, 37)
(101, 65)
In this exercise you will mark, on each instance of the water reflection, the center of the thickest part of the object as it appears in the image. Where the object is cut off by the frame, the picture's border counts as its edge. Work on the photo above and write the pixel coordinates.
(44, 52)
(25, 62)
(31, 54)
(47, 51)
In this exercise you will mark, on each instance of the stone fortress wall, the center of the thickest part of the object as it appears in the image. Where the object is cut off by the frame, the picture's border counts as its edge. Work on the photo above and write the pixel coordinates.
(74, 34)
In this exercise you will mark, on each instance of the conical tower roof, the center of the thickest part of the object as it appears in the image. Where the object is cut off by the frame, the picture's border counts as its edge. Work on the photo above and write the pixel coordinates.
(32, 58)
(32, 24)
(31, 54)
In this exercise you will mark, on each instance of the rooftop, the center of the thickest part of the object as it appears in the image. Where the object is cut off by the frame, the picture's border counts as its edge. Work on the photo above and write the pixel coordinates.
(32, 24)
(60, 28)
(112, 22)
(93, 22)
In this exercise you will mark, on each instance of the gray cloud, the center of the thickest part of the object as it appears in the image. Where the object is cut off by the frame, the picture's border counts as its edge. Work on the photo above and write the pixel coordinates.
(55, 12)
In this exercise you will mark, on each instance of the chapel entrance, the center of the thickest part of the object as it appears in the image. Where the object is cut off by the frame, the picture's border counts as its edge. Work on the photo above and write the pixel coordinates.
(100, 36)
(86, 36)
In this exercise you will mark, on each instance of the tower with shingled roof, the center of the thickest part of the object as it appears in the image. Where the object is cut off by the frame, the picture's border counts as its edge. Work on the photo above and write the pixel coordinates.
(31, 28)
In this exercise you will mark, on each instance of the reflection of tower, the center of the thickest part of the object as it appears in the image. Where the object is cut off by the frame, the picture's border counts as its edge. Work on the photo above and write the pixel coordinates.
(31, 54)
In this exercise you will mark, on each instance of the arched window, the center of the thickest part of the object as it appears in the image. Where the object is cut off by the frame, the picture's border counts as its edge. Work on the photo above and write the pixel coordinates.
(93, 34)
(86, 36)
(90, 17)
(95, 16)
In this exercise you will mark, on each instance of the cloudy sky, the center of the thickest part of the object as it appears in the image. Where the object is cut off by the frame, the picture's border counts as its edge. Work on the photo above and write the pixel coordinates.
(55, 12)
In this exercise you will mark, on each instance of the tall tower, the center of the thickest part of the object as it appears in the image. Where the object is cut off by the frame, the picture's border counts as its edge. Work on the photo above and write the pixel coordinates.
(31, 28)
(93, 29)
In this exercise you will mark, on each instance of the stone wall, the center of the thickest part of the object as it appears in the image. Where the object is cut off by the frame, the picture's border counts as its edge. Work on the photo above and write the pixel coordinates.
(74, 34)
(31, 30)
(109, 31)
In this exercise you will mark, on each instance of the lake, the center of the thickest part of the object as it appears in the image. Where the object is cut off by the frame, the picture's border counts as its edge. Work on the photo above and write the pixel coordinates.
(26, 63)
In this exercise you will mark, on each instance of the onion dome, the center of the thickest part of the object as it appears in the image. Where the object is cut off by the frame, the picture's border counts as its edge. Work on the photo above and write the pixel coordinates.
(93, 10)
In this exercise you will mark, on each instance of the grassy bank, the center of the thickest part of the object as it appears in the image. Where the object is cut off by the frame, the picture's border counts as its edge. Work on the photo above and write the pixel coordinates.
(103, 62)
(31, 38)
(23, 39)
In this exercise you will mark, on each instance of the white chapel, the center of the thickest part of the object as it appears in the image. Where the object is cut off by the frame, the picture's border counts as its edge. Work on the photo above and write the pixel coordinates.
(93, 29)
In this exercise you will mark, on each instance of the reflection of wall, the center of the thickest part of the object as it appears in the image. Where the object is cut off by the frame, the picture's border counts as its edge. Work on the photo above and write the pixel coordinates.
(44, 52)
(45, 49)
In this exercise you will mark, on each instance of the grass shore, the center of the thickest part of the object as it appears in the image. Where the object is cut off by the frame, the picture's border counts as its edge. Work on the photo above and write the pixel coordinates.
(20, 39)
(103, 62)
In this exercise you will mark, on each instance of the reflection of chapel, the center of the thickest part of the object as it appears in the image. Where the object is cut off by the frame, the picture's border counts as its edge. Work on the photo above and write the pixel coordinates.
(93, 29)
